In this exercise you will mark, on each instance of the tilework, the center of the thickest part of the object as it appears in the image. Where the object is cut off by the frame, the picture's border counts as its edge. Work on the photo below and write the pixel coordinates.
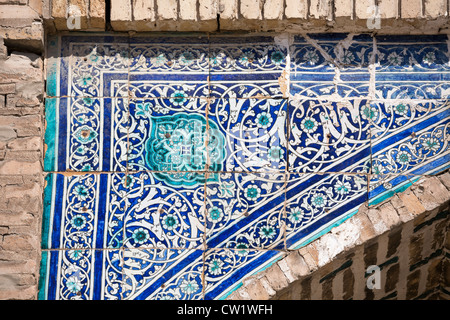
(178, 165)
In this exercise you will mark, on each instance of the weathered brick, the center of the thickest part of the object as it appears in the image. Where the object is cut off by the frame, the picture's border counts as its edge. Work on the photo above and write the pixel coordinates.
(415, 248)
(188, 10)
(361, 9)
(392, 276)
(256, 290)
(431, 193)
(7, 88)
(273, 9)
(144, 14)
(167, 9)
(412, 288)
(276, 278)
(320, 9)
(348, 283)
(388, 9)
(343, 8)
(411, 202)
(411, 9)
(97, 14)
(389, 215)
(121, 13)
(251, 9)
(296, 9)
(435, 8)
(394, 240)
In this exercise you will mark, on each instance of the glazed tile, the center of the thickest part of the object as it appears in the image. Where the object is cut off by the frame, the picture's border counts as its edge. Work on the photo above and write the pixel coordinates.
(254, 132)
(330, 65)
(245, 211)
(412, 68)
(223, 268)
(317, 202)
(88, 66)
(86, 134)
(152, 274)
(410, 137)
(77, 217)
(168, 135)
(384, 186)
(81, 274)
(165, 210)
(329, 136)
(207, 157)
(244, 67)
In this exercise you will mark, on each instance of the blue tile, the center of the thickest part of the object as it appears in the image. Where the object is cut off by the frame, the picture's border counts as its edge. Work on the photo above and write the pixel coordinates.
(86, 134)
(244, 67)
(245, 211)
(322, 63)
(178, 165)
(254, 132)
(317, 202)
(149, 275)
(165, 210)
(409, 137)
(80, 218)
(168, 134)
(328, 136)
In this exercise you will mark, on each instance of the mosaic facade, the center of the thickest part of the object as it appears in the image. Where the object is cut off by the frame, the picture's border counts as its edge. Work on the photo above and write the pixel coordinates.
(179, 165)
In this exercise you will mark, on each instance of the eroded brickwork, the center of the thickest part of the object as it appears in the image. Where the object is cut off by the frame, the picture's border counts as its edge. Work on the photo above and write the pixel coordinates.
(21, 180)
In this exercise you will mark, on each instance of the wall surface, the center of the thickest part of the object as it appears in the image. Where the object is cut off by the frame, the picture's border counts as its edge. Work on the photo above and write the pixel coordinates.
(421, 273)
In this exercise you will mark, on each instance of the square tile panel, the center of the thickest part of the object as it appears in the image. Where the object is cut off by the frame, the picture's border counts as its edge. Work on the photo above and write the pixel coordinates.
(253, 134)
(246, 66)
(412, 67)
(410, 137)
(327, 136)
(245, 211)
(162, 274)
(165, 210)
(86, 134)
(169, 135)
(169, 67)
(77, 216)
(178, 165)
(317, 202)
(330, 65)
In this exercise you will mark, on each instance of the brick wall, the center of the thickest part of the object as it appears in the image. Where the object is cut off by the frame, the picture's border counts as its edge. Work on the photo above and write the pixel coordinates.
(395, 16)
(21, 180)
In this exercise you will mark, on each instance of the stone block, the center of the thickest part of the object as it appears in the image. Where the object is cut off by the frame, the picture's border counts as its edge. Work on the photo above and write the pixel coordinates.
(251, 9)
(431, 193)
(273, 10)
(121, 13)
(411, 9)
(362, 9)
(167, 10)
(188, 10)
(388, 9)
(435, 8)
(144, 15)
(296, 9)
(276, 278)
(411, 202)
(320, 9)
(7, 88)
(343, 8)
(97, 14)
